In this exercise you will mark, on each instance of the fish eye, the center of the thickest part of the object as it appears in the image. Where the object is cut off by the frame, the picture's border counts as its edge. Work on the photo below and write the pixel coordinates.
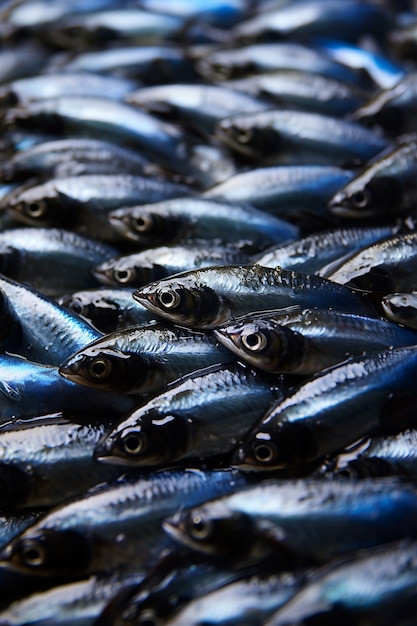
(361, 199)
(76, 305)
(32, 553)
(124, 276)
(169, 298)
(255, 342)
(36, 209)
(133, 443)
(99, 368)
(200, 528)
(264, 452)
(242, 135)
(141, 223)
(220, 72)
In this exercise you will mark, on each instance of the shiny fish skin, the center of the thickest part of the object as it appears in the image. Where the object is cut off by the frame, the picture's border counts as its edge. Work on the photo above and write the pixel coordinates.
(107, 310)
(198, 419)
(210, 297)
(386, 266)
(401, 308)
(358, 398)
(71, 157)
(12, 525)
(49, 332)
(179, 219)
(84, 201)
(143, 359)
(26, 256)
(18, 61)
(80, 538)
(387, 186)
(306, 341)
(139, 268)
(289, 192)
(377, 588)
(385, 456)
(309, 254)
(287, 137)
(297, 521)
(31, 389)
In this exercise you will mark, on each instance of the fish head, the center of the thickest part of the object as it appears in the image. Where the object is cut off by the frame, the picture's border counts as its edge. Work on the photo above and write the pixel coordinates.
(39, 206)
(402, 306)
(364, 198)
(99, 366)
(213, 529)
(145, 225)
(270, 347)
(149, 441)
(253, 140)
(117, 272)
(182, 301)
(47, 552)
(99, 311)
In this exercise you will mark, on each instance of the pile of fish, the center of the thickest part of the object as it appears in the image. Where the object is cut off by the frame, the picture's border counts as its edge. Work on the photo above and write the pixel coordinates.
(208, 297)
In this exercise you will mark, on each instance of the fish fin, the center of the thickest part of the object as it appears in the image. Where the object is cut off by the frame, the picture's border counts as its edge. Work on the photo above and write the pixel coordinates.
(9, 390)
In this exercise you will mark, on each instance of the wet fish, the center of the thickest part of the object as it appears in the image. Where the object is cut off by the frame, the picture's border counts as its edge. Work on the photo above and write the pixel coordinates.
(107, 310)
(83, 202)
(19, 60)
(210, 297)
(377, 587)
(71, 157)
(401, 308)
(11, 525)
(288, 137)
(27, 257)
(386, 266)
(387, 186)
(143, 359)
(292, 521)
(117, 526)
(49, 332)
(179, 219)
(332, 410)
(139, 268)
(48, 461)
(309, 254)
(306, 341)
(200, 419)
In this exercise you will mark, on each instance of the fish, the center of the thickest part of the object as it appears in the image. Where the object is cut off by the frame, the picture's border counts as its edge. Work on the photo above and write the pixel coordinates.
(387, 185)
(62, 158)
(199, 419)
(306, 341)
(384, 267)
(361, 397)
(291, 137)
(377, 587)
(83, 202)
(107, 310)
(45, 462)
(28, 259)
(142, 359)
(401, 308)
(181, 219)
(139, 268)
(311, 253)
(296, 522)
(212, 296)
(117, 526)
(20, 60)
(394, 455)
(12, 524)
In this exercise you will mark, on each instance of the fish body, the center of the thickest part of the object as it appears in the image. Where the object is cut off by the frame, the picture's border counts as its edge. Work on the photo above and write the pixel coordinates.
(386, 186)
(332, 410)
(289, 137)
(107, 310)
(139, 268)
(200, 418)
(212, 296)
(142, 359)
(26, 256)
(305, 341)
(179, 219)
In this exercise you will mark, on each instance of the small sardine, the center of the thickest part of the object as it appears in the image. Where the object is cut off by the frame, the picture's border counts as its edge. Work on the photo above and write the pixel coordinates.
(401, 308)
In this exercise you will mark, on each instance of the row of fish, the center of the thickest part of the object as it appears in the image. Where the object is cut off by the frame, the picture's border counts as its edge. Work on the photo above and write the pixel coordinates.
(207, 289)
